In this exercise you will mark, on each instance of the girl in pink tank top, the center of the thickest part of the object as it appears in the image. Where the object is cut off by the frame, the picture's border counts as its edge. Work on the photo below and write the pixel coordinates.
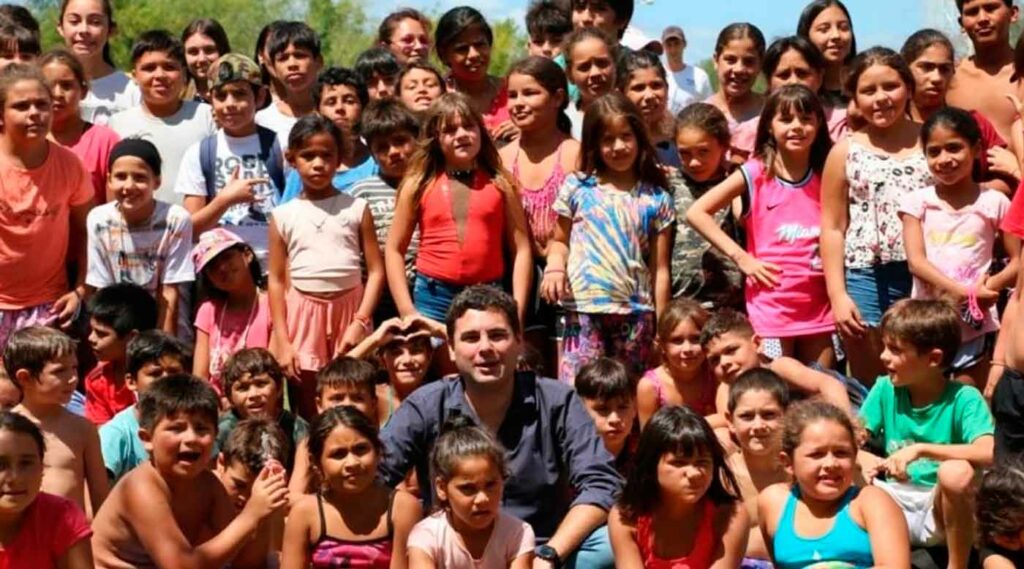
(781, 192)
(357, 521)
(683, 378)
(679, 508)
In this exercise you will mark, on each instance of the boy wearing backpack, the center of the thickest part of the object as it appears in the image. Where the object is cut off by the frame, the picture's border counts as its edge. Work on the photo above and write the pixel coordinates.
(234, 178)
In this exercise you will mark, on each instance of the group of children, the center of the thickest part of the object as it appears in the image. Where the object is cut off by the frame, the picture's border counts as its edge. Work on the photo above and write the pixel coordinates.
(788, 312)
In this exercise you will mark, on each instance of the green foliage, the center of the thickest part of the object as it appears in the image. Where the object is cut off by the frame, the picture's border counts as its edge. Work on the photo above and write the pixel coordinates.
(344, 27)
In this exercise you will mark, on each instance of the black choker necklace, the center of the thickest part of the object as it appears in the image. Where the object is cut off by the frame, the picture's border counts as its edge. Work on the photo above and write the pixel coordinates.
(461, 175)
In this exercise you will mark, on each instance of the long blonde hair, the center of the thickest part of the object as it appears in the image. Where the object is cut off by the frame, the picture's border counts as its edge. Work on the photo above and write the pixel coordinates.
(428, 161)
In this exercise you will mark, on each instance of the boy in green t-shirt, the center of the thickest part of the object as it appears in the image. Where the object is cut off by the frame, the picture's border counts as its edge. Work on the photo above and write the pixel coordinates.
(935, 431)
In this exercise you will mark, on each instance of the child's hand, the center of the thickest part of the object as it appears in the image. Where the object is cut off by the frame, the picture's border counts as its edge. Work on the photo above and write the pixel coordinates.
(355, 332)
(283, 351)
(505, 132)
(269, 492)
(763, 273)
(847, 317)
(1002, 161)
(986, 296)
(436, 329)
(239, 190)
(554, 287)
(66, 307)
(386, 331)
(896, 464)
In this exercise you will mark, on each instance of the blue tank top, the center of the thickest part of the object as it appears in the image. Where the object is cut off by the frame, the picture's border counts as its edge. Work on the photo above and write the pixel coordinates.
(845, 545)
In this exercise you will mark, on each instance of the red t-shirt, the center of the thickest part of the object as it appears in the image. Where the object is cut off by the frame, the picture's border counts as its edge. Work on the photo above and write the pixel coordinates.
(105, 394)
(51, 526)
(989, 139)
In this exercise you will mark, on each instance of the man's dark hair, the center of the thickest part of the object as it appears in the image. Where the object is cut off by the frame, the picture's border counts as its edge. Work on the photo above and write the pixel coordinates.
(175, 394)
(483, 297)
(124, 307)
(151, 345)
(158, 40)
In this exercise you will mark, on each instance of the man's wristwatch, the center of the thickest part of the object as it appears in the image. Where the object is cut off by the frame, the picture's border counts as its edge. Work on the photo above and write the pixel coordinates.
(549, 554)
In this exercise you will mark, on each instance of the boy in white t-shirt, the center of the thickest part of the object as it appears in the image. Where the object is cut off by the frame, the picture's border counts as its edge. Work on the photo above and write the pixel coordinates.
(294, 50)
(234, 177)
(171, 124)
(687, 83)
(138, 239)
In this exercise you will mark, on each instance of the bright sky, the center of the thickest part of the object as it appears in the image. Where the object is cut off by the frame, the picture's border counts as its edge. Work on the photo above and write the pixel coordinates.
(885, 22)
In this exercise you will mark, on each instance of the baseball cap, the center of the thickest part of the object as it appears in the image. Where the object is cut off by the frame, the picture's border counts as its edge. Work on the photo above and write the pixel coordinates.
(636, 40)
(233, 67)
(673, 32)
(212, 243)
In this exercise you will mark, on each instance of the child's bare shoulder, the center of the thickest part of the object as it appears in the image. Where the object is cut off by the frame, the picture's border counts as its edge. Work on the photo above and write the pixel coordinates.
(774, 494)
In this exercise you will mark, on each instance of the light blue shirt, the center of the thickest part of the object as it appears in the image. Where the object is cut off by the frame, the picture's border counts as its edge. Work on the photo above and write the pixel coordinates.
(342, 180)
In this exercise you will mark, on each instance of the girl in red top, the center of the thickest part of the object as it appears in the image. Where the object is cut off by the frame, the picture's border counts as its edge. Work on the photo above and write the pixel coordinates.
(464, 41)
(679, 509)
(39, 530)
(467, 211)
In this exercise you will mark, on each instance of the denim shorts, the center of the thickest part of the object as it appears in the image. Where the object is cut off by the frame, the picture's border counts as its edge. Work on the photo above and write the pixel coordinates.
(874, 289)
(433, 297)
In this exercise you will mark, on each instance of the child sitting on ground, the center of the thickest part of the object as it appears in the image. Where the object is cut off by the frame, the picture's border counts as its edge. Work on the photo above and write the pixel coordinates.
(172, 511)
(999, 514)
(252, 444)
(43, 365)
(150, 355)
(254, 384)
(757, 401)
(610, 398)
(934, 431)
(732, 348)
(405, 350)
(117, 314)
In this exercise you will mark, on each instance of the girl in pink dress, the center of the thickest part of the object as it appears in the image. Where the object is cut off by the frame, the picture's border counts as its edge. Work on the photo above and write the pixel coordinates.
(781, 192)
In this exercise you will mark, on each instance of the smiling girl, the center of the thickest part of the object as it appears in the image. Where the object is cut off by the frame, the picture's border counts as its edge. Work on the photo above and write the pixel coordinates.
(205, 41)
(86, 26)
(590, 56)
(827, 25)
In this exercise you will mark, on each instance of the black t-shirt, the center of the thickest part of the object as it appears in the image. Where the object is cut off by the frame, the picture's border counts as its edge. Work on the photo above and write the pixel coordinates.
(1015, 557)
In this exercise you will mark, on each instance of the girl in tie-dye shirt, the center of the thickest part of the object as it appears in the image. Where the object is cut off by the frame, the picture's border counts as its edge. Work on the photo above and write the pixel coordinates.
(608, 262)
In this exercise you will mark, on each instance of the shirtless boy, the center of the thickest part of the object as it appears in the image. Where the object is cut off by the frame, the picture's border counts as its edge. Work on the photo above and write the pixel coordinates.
(43, 365)
(178, 426)
(983, 80)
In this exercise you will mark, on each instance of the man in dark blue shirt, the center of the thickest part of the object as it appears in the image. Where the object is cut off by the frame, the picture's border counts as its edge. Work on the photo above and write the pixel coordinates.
(562, 480)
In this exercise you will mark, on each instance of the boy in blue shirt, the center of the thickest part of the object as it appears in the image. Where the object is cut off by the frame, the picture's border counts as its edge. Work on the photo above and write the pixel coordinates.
(934, 431)
(151, 355)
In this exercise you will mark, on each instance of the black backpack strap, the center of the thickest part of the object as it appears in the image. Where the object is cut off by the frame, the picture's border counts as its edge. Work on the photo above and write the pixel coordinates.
(270, 155)
(208, 164)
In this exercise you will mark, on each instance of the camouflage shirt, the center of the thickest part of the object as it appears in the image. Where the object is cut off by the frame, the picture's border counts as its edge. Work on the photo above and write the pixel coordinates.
(699, 271)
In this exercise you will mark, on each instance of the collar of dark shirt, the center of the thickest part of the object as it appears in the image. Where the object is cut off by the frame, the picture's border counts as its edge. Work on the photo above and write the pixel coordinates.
(522, 409)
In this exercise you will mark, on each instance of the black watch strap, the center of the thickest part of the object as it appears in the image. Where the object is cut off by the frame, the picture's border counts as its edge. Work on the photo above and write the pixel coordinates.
(549, 554)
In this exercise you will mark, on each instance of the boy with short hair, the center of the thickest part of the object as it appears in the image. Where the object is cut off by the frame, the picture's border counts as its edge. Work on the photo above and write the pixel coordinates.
(390, 130)
(935, 431)
(140, 239)
(117, 313)
(178, 425)
(348, 382)
(17, 44)
(547, 24)
(610, 16)
(234, 177)
(379, 70)
(757, 403)
(983, 80)
(158, 66)
(151, 355)
(43, 365)
(294, 51)
(254, 384)
(732, 348)
(340, 96)
(610, 398)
